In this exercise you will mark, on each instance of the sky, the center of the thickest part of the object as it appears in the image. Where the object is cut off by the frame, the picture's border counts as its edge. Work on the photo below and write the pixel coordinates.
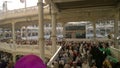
(16, 4)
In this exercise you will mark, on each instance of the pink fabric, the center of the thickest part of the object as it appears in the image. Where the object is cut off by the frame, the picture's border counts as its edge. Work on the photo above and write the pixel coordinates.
(30, 61)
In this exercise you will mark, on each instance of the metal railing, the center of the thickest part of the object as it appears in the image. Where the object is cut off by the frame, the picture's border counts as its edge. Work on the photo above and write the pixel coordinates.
(24, 49)
(54, 57)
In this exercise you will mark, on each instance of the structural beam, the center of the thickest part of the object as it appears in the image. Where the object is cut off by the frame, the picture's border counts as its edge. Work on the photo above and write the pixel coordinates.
(116, 31)
(13, 35)
(14, 57)
(52, 4)
(54, 21)
(41, 30)
(14, 40)
(26, 33)
(63, 25)
(94, 30)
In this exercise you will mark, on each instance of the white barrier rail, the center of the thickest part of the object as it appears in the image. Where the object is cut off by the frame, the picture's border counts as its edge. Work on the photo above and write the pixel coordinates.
(24, 49)
(97, 39)
(54, 57)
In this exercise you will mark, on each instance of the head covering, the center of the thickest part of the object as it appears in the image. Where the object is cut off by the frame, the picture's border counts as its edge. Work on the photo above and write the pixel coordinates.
(30, 61)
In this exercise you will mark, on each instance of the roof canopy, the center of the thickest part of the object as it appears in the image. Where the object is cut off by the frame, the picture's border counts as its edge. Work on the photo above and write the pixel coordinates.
(72, 4)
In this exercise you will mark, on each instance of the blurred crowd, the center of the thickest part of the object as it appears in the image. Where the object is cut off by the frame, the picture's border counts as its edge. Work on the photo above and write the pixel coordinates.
(6, 60)
(90, 54)
(27, 42)
(85, 55)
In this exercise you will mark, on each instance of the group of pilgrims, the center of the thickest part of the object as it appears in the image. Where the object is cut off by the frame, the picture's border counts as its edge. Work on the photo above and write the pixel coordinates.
(75, 54)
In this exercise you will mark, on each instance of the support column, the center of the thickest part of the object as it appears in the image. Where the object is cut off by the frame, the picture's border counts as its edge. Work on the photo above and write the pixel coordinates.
(41, 30)
(3, 34)
(94, 30)
(13, 35)
(14, 58)
(63, 25)
(54, 21)
(21, 30)
(26, 33)
(116, 31)
(73, 35)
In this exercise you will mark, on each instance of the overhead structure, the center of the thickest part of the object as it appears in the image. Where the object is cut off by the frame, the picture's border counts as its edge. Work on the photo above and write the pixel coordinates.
(74, 4)
(88, 10)
(67, 11)
(77, 10)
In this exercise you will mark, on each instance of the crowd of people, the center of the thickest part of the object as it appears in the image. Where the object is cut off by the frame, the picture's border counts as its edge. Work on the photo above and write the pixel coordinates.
(26, 42)
(90, 54)
(6, 60)
(85, 55)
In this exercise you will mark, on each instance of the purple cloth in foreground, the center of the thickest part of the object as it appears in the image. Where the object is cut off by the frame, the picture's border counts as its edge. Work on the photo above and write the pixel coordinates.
(30, 61)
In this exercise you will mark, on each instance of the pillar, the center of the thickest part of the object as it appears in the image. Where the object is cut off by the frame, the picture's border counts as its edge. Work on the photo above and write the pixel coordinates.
(53, 37)
(3, 34)
(21, 30)
(26, 33)
(41, 30)
(73, 35)
(116, 31)
(13, 35)
(94, 30)
(63, 25)
(14, 57)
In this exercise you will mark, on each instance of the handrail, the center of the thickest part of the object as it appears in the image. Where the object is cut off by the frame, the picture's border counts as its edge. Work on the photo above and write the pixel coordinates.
(54, 57)
(97, 39)
(7, 47)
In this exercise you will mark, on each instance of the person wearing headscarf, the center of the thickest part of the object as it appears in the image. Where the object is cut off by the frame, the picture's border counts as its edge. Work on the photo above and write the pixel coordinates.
(30, 61)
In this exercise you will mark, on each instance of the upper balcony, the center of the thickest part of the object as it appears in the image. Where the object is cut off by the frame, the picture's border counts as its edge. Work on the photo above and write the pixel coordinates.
(23, 12)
